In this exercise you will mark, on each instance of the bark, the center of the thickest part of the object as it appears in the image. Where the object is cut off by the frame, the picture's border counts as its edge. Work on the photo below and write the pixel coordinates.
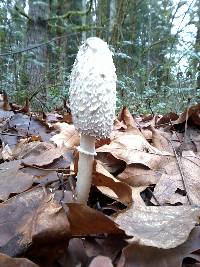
(197, 48)
(84, 7)
(112, 14)
(37, 33)
(121, 7)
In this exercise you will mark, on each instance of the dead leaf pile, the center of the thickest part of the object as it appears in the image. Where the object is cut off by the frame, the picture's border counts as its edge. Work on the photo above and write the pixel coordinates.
(144, 204)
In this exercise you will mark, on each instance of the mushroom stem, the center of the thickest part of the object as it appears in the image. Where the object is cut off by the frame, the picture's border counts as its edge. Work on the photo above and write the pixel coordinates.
(85, 167)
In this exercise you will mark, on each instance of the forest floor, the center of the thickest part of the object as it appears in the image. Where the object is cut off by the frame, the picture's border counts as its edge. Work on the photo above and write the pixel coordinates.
(144, 204)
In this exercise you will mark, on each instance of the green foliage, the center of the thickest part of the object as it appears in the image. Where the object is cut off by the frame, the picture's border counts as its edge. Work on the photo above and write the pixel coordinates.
(146, 53)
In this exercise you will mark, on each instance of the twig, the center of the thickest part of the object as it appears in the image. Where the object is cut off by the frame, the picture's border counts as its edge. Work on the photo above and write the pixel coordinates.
(43, 169)
(29, 124)
(10, 134)
(178, 159)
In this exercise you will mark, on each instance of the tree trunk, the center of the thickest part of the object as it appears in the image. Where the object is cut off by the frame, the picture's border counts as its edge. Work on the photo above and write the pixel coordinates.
(36, 34)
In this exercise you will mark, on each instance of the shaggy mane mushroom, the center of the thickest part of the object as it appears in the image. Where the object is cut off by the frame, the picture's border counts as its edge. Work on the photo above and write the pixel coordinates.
(92, 103)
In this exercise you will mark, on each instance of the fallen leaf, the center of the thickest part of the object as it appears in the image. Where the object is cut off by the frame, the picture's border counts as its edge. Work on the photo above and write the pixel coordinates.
(67, 135)
(193, 113)
(138, 175)
(12, 180)
(92, 221)
(7, 153)
(101, 261)
(190, 165)
(167, 119)
(161, 227)
(25, 124)
(160, 140)
(166, 188)
(128, 120)
(6, 261)
(136, 195)
(75, 254)
(47, 228)
(45, 158)
(135, 255)
(134, 149)
(102, 178)
(13, 214)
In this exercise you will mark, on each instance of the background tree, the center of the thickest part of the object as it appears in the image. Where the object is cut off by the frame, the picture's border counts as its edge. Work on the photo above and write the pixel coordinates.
(143, 35)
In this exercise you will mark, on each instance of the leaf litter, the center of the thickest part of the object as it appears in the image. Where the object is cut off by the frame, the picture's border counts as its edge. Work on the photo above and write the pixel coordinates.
(144, 204)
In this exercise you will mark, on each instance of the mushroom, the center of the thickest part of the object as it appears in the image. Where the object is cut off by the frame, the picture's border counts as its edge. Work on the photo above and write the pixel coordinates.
(92, 102)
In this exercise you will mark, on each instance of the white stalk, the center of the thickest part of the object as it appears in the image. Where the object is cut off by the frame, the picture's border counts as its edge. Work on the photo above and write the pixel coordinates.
(85, 167)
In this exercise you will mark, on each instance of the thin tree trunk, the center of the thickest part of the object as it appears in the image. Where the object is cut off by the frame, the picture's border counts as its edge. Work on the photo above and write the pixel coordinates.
(36, 34)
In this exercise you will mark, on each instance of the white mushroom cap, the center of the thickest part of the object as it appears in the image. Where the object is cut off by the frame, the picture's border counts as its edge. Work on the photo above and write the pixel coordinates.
(93, 89)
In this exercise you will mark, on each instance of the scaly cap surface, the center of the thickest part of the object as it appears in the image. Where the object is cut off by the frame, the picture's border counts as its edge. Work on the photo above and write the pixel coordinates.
(93, 89)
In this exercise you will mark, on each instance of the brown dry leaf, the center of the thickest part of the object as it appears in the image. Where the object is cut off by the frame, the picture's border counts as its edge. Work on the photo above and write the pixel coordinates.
(165, 190)
(6, 261)
(6, 152)
(67, 135)
(87, 221)
(186, 169)
(144, 121)
(133, 148)
(136, 255)
(67, 118)
(138, 175)
(192, 140)
(14, 213)
(147, 134)
(128, 120)
(109, 246)
(136, 195)
(45, 158)
(166, 119)
(193, 113)
(102, 178)
(110, 163)
(101, 261)
(47, 228)
(53, 117)
(161, 227)
(75, 254)
(25, 148)
(48, 174)
(160, 140)
(48, 224)
(12, 180)
(9, 137)
(25, 124)
(190, 165)
(119, 125)
(5, 114)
